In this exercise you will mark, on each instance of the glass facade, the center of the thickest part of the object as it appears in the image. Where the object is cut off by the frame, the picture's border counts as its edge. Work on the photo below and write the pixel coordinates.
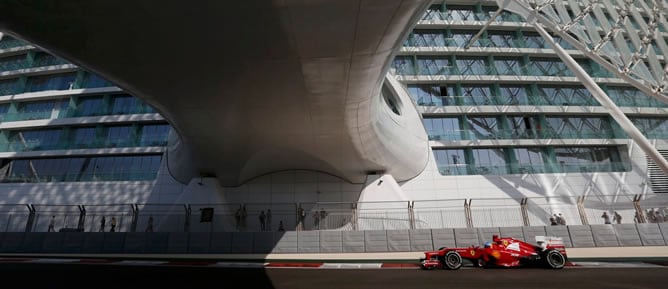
(516, 69)
(73, 132)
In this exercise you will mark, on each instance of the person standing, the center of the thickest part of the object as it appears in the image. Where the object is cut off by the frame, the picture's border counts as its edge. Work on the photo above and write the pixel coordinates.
(268, 219)
(617, 218)
(113, 224)
(606, 218)
(553, 221)
(149, 227)
(103, 223)
(263, 219)
(237, 218)
(52, 224)
(316, 220)
(561, 220)
(323, 215)
(244, 214)
(302, 216)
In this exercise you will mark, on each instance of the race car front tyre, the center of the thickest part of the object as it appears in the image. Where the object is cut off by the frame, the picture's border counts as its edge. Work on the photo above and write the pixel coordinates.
(555, 259)
(452, 260)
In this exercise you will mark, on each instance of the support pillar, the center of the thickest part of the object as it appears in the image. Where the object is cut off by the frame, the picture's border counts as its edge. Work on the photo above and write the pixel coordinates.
(186, 224)
(82, 218)
(31, 217)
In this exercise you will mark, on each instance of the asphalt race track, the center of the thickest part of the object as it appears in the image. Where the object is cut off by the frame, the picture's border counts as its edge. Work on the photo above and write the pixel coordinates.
(63, 275)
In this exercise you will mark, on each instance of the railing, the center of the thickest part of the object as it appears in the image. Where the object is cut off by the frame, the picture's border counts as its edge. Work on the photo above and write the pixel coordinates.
(436, 100)
(23, 63)
(67, 113)
(11, 43)
(556, 69)
(135, 175)
(522, 134)
(470, 16)
(538, 168)
(348, 216)
(38, 145)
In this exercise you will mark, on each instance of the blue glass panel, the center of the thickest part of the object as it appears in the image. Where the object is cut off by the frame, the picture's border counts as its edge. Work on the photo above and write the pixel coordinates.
(51, 82)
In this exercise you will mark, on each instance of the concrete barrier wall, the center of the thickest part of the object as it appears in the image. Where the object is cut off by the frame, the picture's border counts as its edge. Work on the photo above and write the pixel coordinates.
(575, 236)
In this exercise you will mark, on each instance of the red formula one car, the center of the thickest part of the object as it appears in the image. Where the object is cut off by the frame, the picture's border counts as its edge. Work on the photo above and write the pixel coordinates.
(501, 252)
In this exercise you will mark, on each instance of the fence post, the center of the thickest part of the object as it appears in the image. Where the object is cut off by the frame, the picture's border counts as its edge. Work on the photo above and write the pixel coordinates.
(135, 217)
(411, 215)
(640, 213)
(525, 212)
(31, 217)
(82, 218)
(581, 210)
(186, 223)
(354, 217)
(467, 213)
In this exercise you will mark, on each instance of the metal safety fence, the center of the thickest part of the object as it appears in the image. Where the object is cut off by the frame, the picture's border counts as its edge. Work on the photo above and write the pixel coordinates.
(348, 216)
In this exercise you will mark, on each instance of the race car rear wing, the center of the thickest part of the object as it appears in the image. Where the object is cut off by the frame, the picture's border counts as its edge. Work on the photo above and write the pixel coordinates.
(549, 241)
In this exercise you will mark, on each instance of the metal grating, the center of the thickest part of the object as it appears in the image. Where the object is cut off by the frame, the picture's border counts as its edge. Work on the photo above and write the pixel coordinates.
(657, 179)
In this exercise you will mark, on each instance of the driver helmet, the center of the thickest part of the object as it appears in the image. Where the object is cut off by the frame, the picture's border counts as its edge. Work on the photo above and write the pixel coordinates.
(488, 244)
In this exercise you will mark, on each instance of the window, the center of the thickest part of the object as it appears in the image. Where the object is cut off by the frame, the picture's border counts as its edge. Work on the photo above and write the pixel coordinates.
(39, 109)
(83, 137)
(106, 168)
(462, 38)
(483, 127)
(548, 67)
(513, 95)
(45, 59)
(579, 127)
(433, 66)
(443, 128)
(426, 38)
(489, 160)
(507, 66)
(502, 38)
(652, 127)
(154, 134)
(531, 159)
(461, 13)
(35, 140)
(477, 95)
(93, 80)
(587, 159)
(472, 66)
(127, 104)
(120, 136)
(90, 106)
(9, 86)
(403, 65)
(13, 62)
(565, 95)
(451, 161)
(51, 82)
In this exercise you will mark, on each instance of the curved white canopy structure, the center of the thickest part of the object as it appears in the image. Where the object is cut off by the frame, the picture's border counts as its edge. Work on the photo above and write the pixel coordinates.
(251, 87)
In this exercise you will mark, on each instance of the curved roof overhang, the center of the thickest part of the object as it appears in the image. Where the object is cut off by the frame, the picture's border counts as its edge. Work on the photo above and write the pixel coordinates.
(251, 87)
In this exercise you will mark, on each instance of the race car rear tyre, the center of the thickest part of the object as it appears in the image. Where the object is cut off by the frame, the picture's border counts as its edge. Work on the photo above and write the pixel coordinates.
(452, 260)
(555, 259)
